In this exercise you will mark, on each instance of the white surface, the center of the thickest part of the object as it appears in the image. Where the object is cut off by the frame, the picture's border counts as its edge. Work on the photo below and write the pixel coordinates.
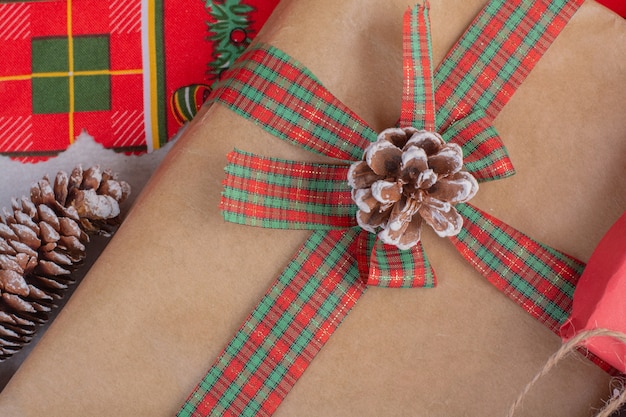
(16, 178)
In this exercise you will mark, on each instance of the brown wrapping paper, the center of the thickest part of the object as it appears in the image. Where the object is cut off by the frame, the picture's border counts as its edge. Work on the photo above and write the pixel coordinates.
(176, 281)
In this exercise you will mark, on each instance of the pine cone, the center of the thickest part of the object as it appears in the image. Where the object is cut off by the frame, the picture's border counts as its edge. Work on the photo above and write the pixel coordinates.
(42, 241)
(408, 177)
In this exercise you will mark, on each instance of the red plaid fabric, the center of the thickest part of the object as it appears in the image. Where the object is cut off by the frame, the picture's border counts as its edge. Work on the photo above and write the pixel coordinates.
(383, 265)
(127, 72)
(484, 153)
(538, 278)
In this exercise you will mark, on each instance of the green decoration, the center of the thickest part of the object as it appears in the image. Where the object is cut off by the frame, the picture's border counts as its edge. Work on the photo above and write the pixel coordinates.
(229, 31)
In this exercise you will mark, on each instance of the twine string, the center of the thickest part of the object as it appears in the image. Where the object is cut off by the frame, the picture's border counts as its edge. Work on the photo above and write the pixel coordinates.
(566, 349)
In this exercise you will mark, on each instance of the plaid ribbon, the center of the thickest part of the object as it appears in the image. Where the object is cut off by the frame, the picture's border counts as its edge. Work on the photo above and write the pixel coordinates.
(418, 94)
(337, 263)
(284, 332)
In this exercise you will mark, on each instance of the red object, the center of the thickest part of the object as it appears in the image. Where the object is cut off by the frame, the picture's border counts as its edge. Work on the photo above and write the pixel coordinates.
(618, 6)
(69, 66)
(599, 297)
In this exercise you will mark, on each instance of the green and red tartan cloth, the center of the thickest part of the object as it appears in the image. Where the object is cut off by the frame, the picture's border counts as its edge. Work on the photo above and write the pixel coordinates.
(335, 266)
(127, 72)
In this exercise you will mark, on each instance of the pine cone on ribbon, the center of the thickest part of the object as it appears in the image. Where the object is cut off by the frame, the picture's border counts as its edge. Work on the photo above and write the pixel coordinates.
(42, 241)
(408, 177)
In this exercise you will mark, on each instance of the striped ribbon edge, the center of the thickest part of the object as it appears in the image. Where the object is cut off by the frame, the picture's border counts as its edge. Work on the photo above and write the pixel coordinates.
(495, 54)
(281, 194)
(418, 98)
(272, 89)
(283, 334)
(538, 278)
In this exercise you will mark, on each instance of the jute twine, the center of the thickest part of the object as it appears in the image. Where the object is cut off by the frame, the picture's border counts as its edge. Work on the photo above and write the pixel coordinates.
(567, 348)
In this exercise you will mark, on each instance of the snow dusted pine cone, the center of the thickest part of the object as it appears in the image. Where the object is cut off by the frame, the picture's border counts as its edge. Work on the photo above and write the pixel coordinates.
(408, 177)
(43, 240)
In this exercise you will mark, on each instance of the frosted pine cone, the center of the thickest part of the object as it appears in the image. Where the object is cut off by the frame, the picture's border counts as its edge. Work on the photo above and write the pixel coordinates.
(42, 241)
(408, 177)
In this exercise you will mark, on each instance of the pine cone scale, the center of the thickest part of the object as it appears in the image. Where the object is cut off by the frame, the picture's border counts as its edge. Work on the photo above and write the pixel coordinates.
(48, 233)
(51, 285)
(8, 263)
(447, 161)
(48, 217)
(12, 281)
(69, 227)
(360, 175)
(57, 258)
(7, 233)
(18, 304)
(51, 269)
(27, 235)
(23, 248)
(10, 334)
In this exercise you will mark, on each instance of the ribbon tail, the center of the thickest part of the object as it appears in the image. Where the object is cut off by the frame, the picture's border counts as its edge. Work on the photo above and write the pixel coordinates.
(283, 334)
(281, 194)
(418, 99)
(537, 277)
(387, 266)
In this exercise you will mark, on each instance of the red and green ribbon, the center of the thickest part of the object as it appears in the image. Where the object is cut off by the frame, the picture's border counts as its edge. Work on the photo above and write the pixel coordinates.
(334, 267)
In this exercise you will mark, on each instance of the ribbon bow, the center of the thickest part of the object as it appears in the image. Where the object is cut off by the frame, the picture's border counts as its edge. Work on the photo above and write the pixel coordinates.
(317, 197)
(335, 265)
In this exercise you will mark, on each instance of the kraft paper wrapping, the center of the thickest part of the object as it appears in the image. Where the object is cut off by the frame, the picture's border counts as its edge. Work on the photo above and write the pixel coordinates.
(176, 281)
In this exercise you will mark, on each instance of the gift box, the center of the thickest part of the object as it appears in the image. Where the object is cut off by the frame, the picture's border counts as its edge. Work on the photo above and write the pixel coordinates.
(177, 281)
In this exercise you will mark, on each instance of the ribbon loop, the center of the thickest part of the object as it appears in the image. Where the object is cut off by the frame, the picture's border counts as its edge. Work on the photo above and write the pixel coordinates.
(272, 89)
(486, 157)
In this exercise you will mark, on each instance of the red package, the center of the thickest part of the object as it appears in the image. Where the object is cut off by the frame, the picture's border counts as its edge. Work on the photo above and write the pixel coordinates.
(600, 298)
